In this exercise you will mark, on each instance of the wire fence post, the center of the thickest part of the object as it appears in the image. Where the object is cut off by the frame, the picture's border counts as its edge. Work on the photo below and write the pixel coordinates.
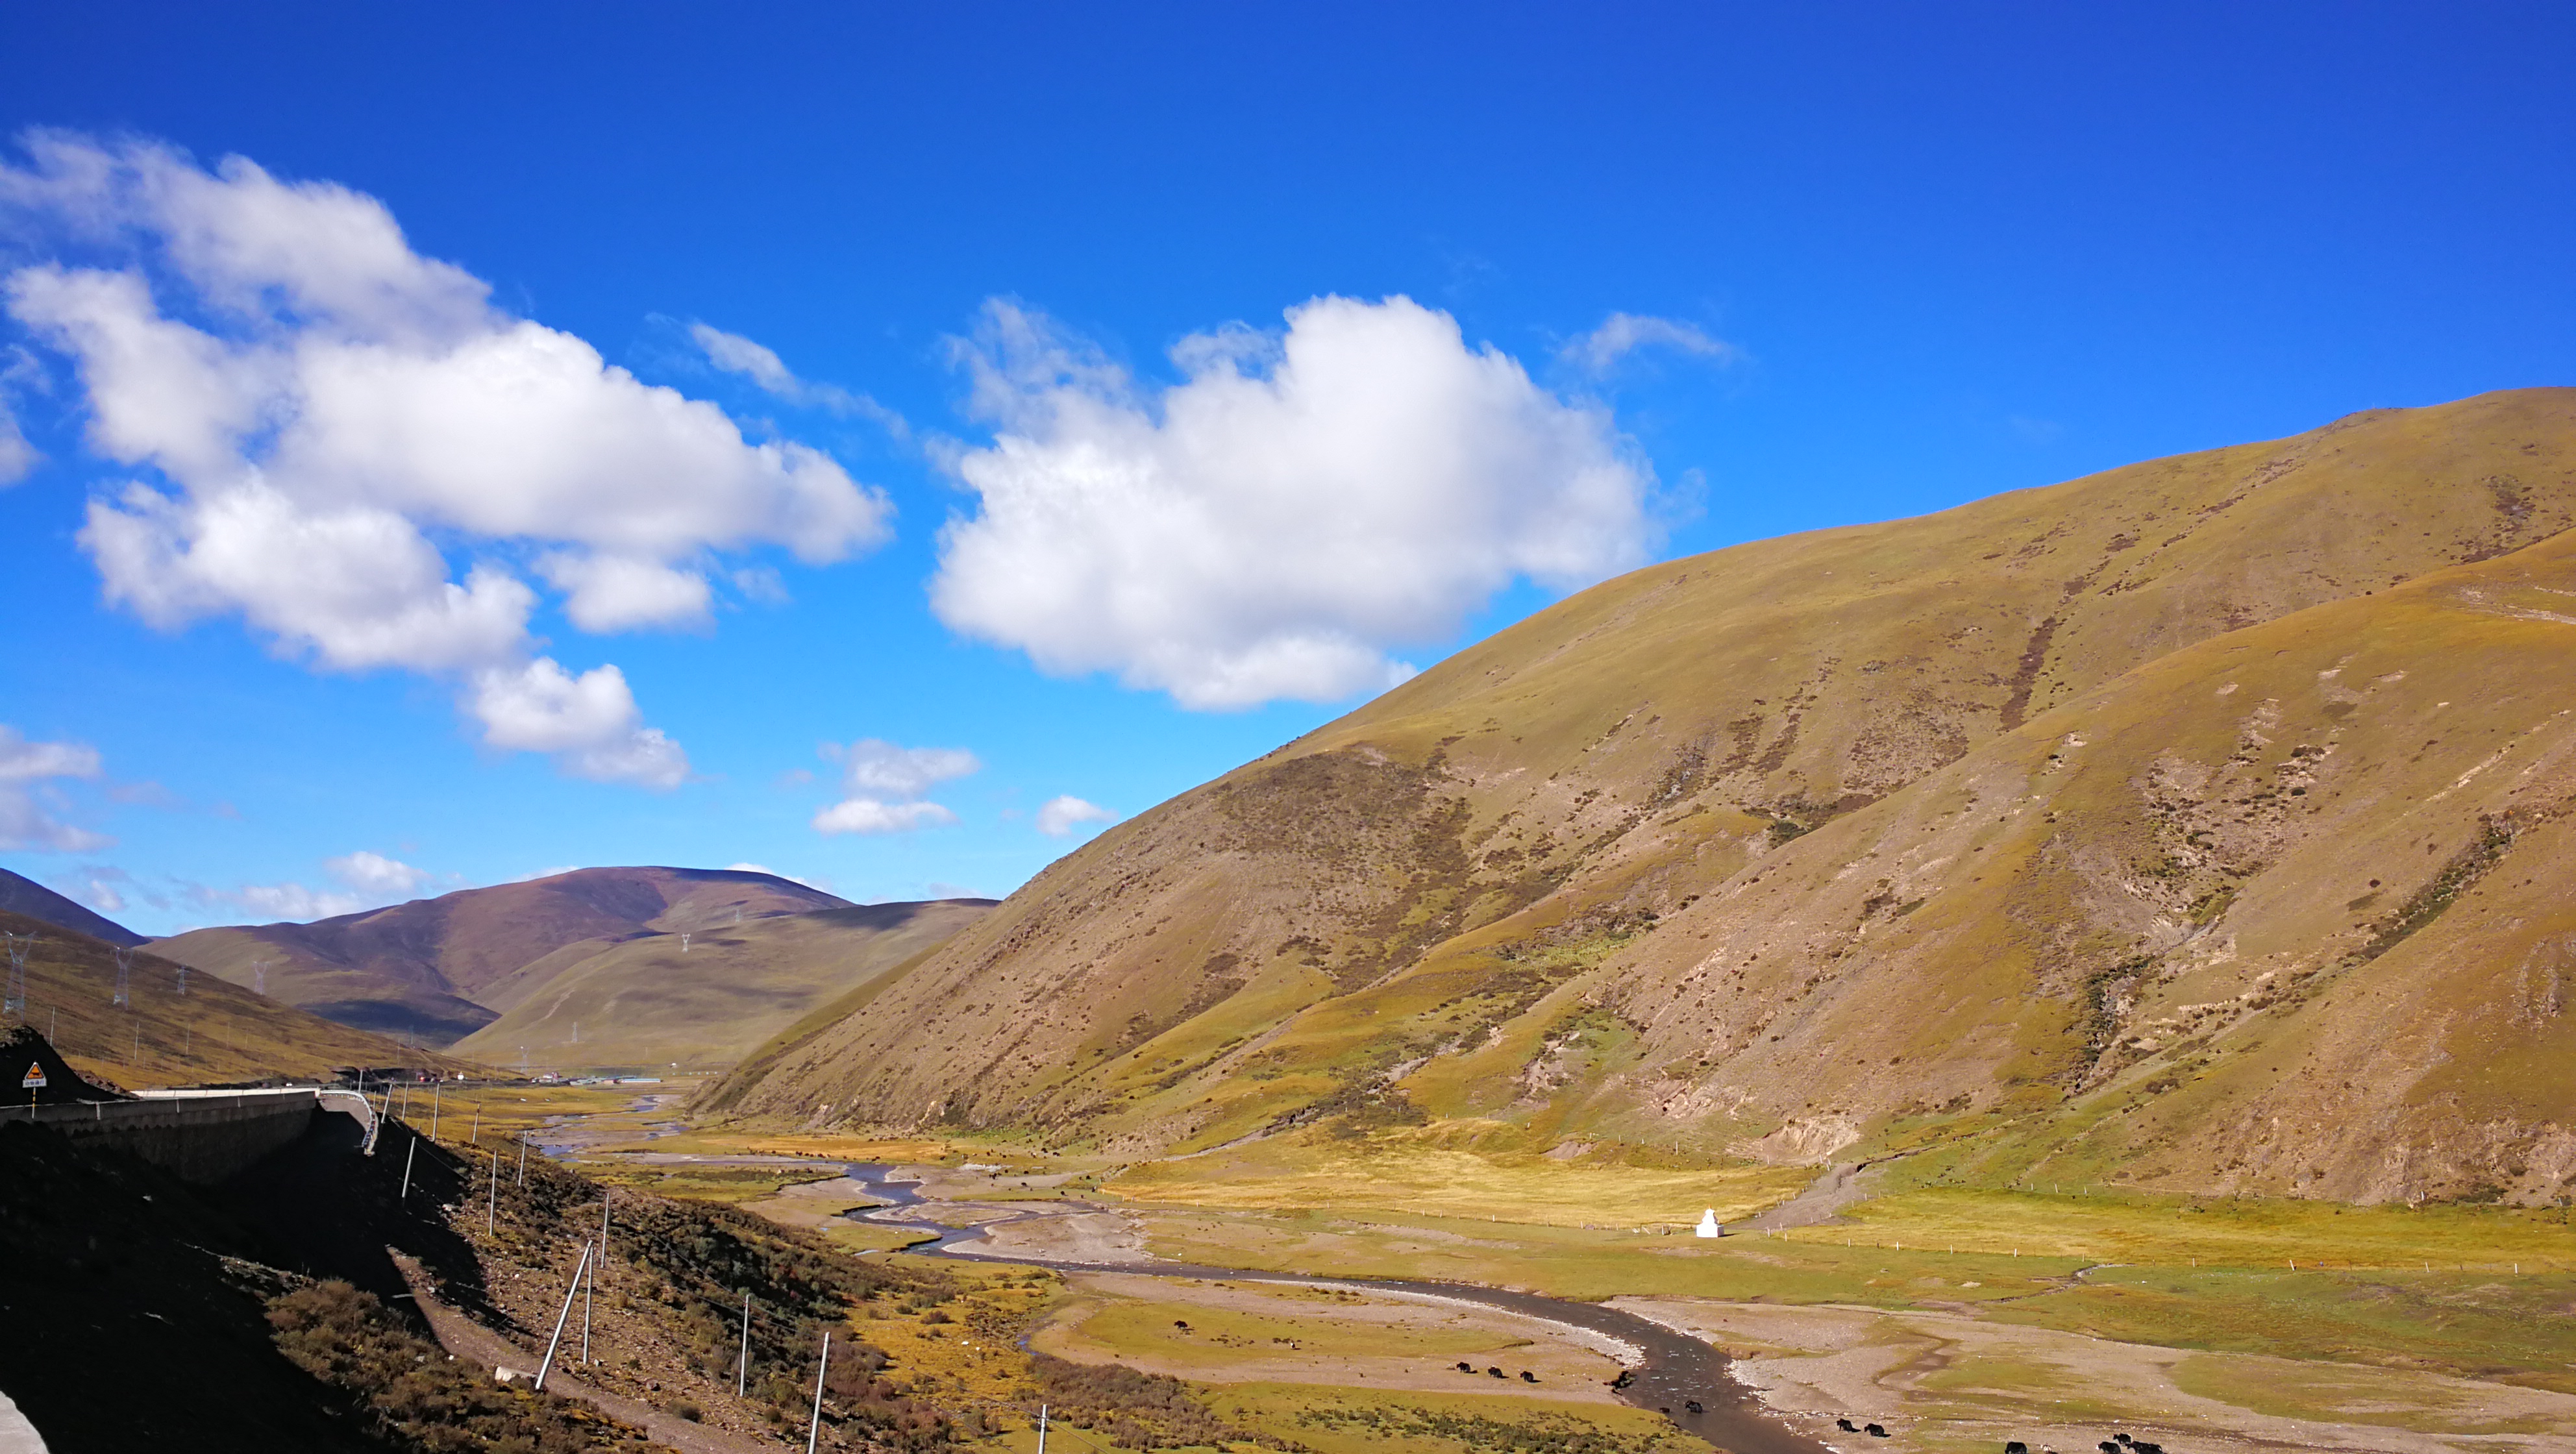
(742, 1365)
(492, 1195)
(1042, 1411)
(412, 1150)
(523, 1160)
(589, 1292)
(433, 1107)
(578, 1269)
(814, 1429)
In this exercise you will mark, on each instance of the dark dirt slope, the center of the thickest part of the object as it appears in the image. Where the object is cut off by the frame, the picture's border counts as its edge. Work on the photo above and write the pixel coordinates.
(21, 895)
(132, 1308)
(424, 969)
(1501, 891)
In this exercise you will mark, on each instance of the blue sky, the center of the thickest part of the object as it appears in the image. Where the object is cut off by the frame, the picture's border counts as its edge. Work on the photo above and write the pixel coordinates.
(1610, 288)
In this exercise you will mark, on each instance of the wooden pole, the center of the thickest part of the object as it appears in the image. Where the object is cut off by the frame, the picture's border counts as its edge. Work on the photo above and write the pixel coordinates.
(814, 1430)
(578, 1269)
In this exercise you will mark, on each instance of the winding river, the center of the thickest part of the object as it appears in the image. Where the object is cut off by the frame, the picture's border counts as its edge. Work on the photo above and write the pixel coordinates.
(1672, 1370)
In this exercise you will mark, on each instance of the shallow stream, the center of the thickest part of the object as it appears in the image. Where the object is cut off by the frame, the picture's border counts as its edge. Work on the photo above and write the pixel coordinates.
(1673, 1369)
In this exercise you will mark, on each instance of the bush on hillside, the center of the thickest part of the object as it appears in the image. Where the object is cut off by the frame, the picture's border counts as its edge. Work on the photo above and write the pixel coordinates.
(413, 1396)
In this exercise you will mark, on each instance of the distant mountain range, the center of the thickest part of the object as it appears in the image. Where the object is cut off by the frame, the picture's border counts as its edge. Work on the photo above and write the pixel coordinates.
(175, 1028)
(2203, 825)
(597, 946)
(21, 895)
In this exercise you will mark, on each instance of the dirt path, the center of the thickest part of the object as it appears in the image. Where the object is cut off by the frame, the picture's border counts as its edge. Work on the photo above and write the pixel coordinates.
(1820, 1203)
(473, 1343)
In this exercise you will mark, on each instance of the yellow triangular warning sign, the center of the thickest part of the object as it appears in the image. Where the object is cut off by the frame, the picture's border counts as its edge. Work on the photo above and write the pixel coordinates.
(34, 1079)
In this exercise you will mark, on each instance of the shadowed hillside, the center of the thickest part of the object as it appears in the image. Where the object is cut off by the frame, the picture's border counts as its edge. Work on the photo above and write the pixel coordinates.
(209, 1032)
(653, 1002)
(2195, 824)
(435, 970)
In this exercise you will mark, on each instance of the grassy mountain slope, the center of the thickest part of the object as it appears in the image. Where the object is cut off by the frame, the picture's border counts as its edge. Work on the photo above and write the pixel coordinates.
(1792, 851)
(424, 969)
(214, 1032)
(649, 1002)
(21, 895)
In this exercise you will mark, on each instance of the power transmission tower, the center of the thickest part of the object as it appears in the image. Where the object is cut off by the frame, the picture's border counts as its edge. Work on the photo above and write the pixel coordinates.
(259, 976)
(183, 979)
(124, 977)
(14, 1004)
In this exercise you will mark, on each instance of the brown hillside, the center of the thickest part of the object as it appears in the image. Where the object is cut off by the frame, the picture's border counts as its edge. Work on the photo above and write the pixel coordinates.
(423, 970)
(213, 1033)
(649, 1002)
(1936, 828)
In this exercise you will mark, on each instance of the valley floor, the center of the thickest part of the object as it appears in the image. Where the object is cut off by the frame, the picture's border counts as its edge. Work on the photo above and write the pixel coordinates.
(2200, 1326)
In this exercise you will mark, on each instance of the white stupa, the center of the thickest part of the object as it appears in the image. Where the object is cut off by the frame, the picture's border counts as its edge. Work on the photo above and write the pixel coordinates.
(1709, 1226)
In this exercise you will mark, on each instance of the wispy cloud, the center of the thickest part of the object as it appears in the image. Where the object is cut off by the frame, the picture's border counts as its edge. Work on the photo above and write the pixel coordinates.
(761, 364)
(1622, 334)
(31, 809)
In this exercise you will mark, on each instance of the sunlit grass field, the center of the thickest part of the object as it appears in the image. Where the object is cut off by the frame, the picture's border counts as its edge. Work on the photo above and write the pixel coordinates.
(1419, 1175)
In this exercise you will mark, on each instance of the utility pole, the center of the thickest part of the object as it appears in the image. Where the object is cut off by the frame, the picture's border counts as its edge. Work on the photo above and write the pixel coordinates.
(14, 1002)
(742, 1364)
(814, 1429)
(492, 1195)
(589, 1292)
(411, 1150)
(523, 1160)
(1042, 1411)
(433, 1106)
(577, 1270)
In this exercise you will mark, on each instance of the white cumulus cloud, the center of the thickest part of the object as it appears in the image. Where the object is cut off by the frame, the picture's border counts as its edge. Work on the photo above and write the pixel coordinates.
(322, 414)
(589, 722)
(1061, 815)
(375, 875)
(886, 785)
(1277, 524)
(1622, 334)
(30, 814)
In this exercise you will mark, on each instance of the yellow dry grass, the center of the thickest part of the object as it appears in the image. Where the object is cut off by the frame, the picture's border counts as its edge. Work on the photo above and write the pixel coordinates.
(1413, 1173)
(2212, 1231)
